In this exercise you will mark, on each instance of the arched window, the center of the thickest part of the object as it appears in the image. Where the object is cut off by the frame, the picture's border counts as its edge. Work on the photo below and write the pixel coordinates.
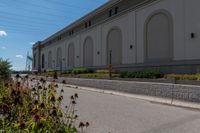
(71, 55)
(88, 52)
(50, 59)
(159, 37)
(59, 57)
(114, 47)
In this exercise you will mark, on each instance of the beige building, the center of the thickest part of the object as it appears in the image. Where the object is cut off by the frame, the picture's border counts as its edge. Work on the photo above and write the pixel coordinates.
(136, 33)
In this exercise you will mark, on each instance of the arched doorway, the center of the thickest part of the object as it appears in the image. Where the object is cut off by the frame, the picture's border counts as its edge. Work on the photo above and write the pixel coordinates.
(50, 59)
(114, 46)
(88, 52)
(71, 55)
(59, 58)
(159, 37)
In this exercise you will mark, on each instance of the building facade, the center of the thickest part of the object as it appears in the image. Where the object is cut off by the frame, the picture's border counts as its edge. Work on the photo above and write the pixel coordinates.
(130, 34)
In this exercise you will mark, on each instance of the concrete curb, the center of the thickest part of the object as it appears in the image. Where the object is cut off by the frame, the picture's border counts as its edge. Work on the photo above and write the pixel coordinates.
(166, 101)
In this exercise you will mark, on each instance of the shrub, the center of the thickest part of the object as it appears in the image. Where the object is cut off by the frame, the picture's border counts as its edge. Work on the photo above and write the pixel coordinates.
(102, 71)
(142, 74)
(106, 71)
(5, 70)
(52, 72)
(182, 76)
(198, 76)
(82, 70)
(97, 75)
(67, 72)
(37, 109)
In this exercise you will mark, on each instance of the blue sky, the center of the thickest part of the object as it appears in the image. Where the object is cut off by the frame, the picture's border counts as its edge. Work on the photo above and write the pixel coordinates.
(23, 22)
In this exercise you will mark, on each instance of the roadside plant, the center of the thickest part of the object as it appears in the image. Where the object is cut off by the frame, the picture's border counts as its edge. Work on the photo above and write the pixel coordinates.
(5, 70)
(148, 73)
(33, 105)
(82, 70)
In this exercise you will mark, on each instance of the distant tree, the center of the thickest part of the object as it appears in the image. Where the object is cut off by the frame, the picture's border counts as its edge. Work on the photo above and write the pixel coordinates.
(5, 69)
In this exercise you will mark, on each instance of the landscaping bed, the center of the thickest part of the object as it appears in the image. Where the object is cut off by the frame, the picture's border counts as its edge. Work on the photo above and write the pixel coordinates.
(143, 75)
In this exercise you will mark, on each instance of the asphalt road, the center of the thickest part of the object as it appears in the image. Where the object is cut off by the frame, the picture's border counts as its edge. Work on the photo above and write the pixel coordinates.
(119, 114)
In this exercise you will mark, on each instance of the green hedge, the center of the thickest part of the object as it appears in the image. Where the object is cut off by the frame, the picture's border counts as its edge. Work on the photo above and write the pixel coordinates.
(82, 70)
(142, 74)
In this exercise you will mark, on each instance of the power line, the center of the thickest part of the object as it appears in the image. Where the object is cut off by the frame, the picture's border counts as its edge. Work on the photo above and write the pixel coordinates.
(39, 12)
(60, 10)
(24, 27)
(17, 22)
(66, 4)
(22, 32)
(30, 17)
(46, 7)
(24, 20)
(99, 1)
(25, 32)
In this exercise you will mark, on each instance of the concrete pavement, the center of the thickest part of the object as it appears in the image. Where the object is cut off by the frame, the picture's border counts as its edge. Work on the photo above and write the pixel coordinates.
(122, 114)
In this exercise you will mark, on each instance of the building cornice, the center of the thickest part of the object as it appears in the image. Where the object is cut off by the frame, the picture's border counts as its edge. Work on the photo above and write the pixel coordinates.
(83, 19)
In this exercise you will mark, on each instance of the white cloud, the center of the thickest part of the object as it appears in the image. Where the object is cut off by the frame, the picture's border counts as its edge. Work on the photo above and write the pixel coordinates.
(3, 33)
(32, 43)
(3, 48)
(19, 56)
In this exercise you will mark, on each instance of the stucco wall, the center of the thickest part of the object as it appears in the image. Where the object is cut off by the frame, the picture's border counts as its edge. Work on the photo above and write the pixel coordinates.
(171, 6)
(185, 19)
(76, 41)
(192, 25)
(95, 34)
